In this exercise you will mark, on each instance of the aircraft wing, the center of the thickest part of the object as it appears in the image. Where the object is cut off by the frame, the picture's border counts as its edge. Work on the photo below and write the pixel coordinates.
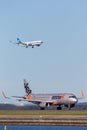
(36, 44)
(24, 98)
(42, 103)
(19, 98)
(39, 101)
(31, 100)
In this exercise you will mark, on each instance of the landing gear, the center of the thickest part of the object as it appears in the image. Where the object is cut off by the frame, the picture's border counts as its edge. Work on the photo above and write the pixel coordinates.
(32, 46)
(59, 108)
(42, 108)
(69, 107)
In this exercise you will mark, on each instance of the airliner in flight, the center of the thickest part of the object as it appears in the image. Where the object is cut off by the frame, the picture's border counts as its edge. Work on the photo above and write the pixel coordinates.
(46, 100)
(27, 44)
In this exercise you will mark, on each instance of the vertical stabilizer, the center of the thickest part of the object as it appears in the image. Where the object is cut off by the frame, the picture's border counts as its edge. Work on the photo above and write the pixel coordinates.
(27, 88)
(19, 41)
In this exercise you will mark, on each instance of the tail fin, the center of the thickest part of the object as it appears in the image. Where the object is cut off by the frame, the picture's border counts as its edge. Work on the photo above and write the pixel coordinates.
(27, 88)
(19, 41)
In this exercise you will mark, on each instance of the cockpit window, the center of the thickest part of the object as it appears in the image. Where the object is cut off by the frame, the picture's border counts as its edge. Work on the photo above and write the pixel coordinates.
(56, 97)
(72, 96)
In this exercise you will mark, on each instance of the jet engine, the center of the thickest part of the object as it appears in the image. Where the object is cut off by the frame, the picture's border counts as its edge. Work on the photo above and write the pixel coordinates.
(69, 105)
(43, 105)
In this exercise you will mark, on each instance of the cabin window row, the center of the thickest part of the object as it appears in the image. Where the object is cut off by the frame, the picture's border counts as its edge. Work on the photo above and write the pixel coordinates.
(56, 97)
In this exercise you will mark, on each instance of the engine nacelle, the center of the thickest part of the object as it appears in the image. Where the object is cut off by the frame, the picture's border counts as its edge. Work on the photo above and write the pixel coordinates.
(71, 105)
(43, 104)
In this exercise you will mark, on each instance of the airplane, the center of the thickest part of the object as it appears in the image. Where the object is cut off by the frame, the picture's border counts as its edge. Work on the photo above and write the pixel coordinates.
(27, 44)
(46, 100)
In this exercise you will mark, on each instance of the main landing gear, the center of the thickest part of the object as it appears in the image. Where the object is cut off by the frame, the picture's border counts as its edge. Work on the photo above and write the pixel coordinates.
(59, 108)
(42, 108)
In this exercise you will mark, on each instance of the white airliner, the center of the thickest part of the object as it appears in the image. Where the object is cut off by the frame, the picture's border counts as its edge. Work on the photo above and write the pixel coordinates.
(45, 100)
(30, 43)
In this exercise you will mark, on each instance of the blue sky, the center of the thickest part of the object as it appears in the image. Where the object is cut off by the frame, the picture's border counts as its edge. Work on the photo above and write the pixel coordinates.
(58, 65)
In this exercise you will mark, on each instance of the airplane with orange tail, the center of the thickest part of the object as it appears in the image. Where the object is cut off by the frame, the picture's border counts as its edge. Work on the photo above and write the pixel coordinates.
(45, 100)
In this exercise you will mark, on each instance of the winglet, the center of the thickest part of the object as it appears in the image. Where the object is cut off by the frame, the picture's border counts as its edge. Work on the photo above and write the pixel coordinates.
(82, 92)
(3, 94)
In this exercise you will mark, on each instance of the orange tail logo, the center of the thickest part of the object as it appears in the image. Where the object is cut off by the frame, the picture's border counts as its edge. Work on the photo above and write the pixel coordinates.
(29, 97)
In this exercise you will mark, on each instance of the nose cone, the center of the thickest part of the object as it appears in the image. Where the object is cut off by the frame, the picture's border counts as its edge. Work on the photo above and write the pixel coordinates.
(74, 100)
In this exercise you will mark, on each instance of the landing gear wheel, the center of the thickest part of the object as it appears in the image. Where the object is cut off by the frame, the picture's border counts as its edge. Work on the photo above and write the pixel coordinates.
(42, 108)
(69, 107)
(59, 108)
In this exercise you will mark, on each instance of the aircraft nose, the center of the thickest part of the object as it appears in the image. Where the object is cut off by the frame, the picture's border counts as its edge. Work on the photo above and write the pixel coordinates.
(75, 100)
